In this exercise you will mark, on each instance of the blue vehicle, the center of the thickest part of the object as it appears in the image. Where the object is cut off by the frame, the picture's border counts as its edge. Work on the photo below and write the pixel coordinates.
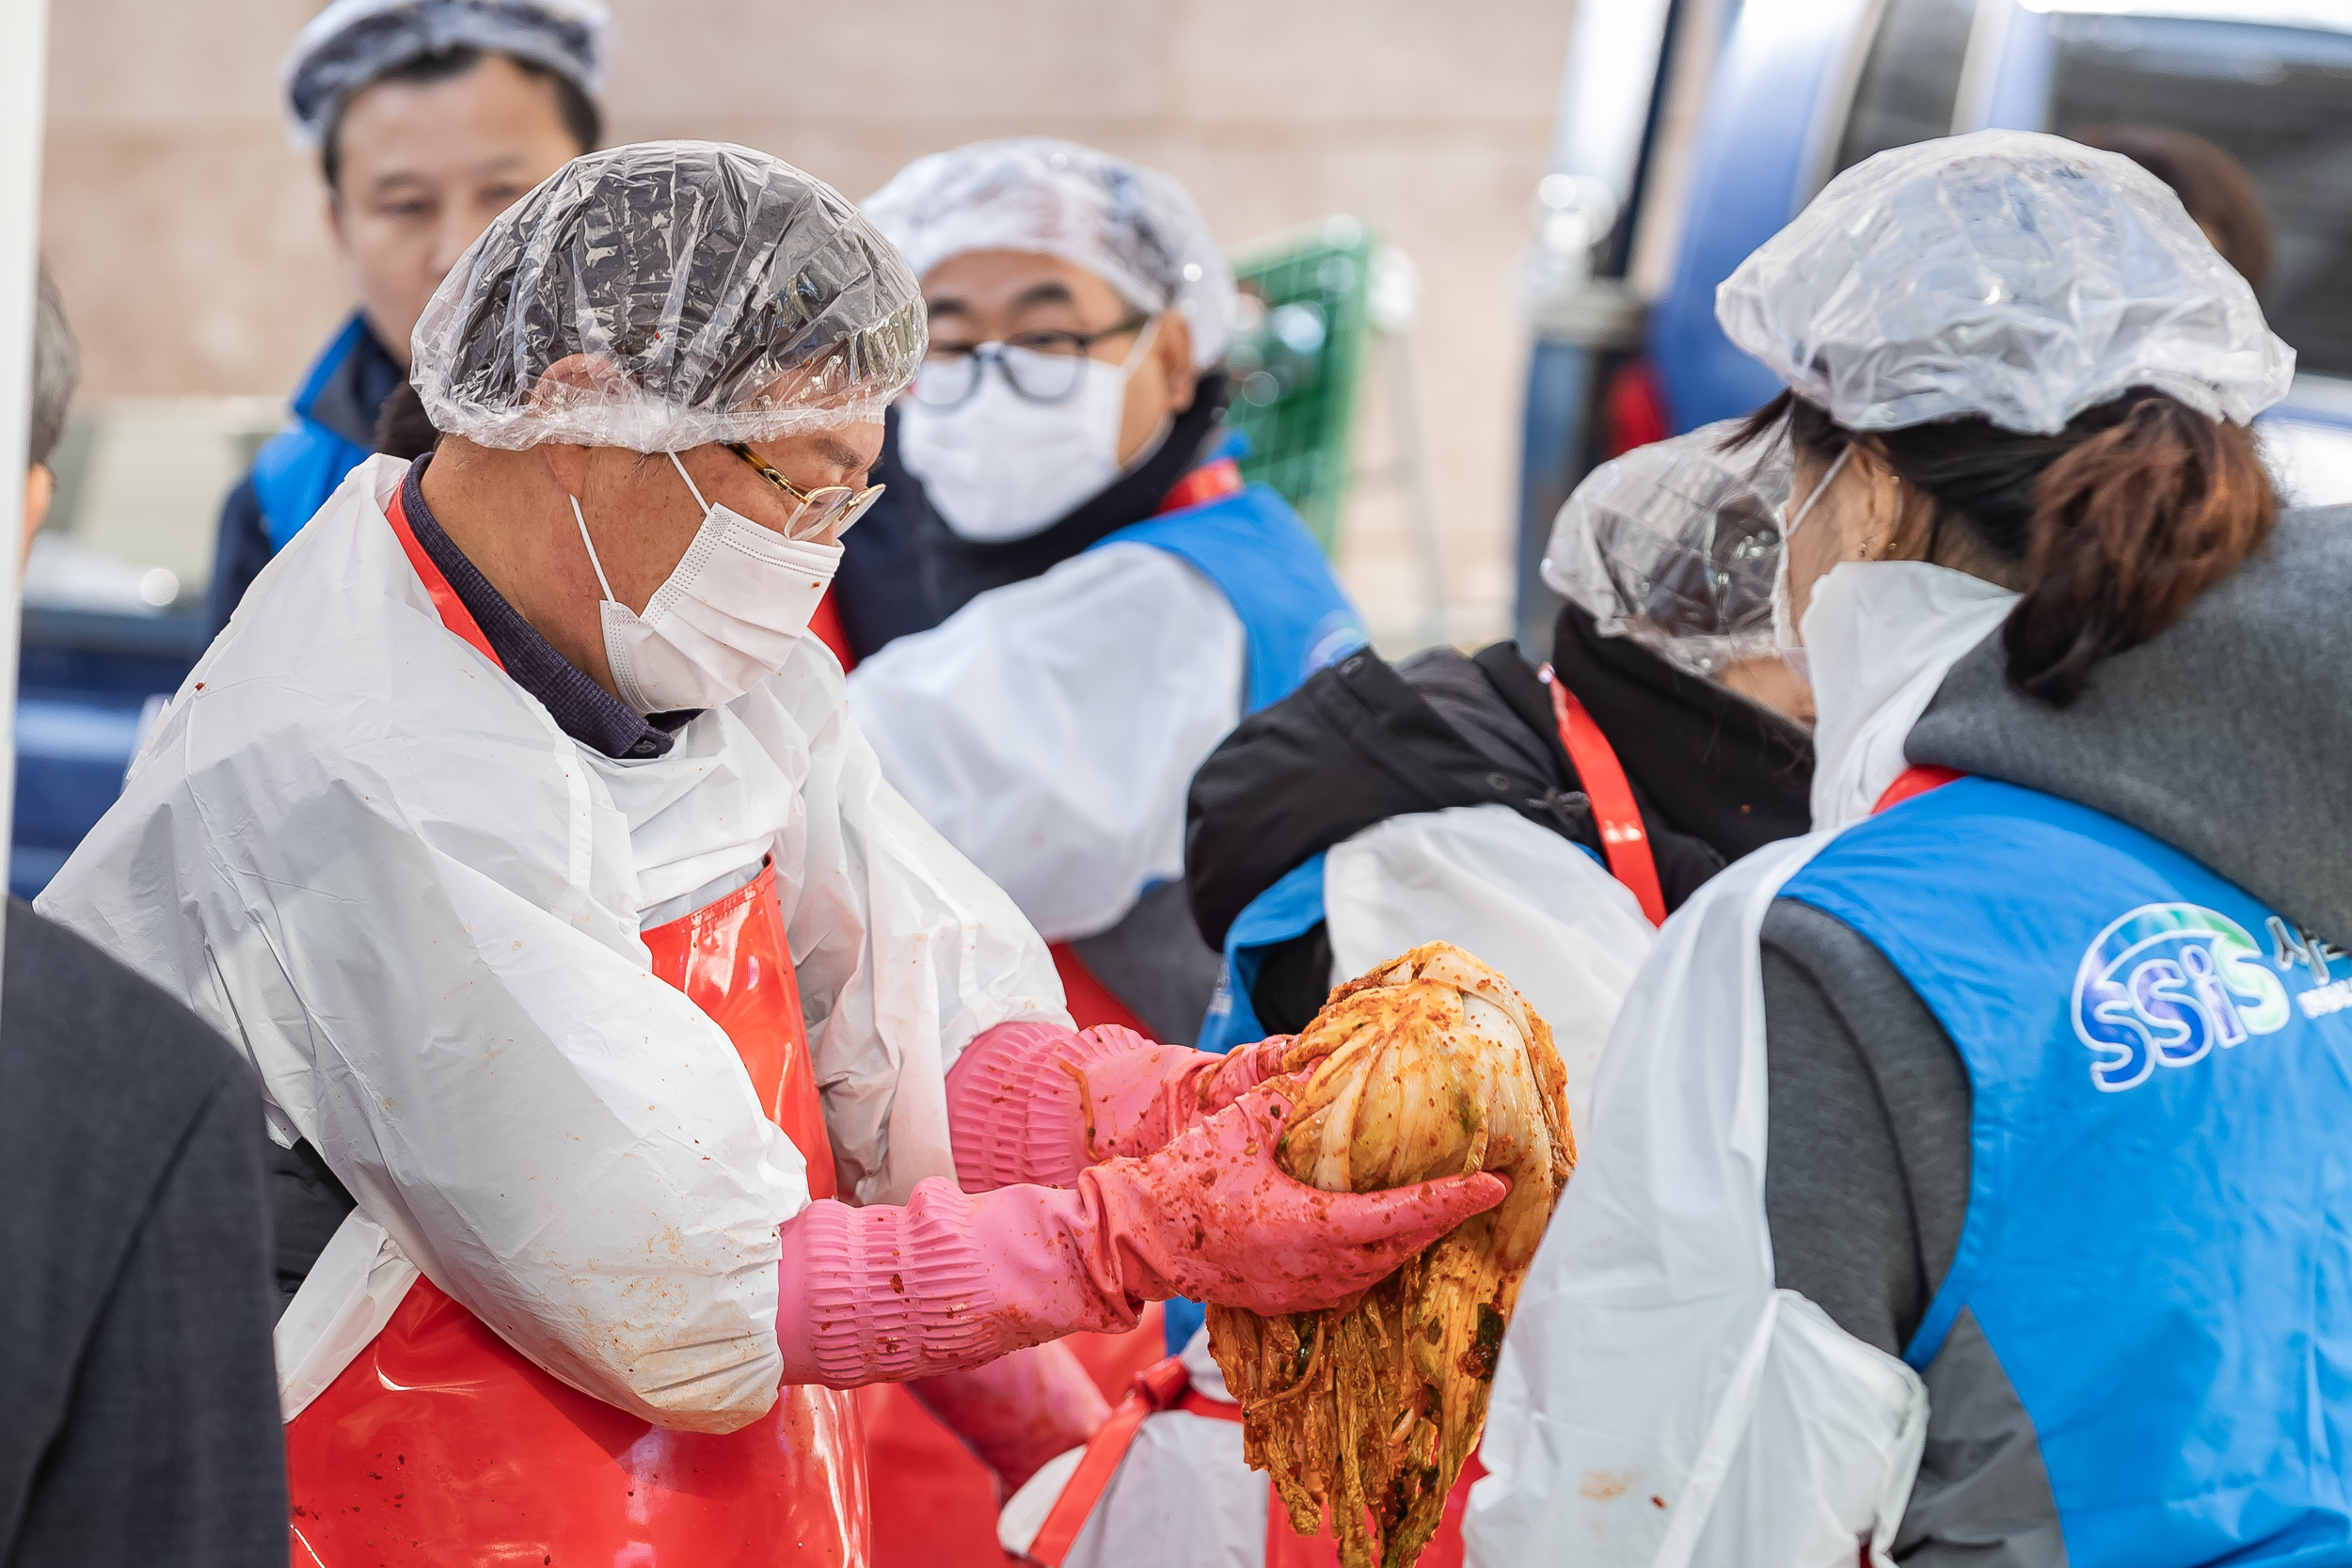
(113, 603)
(1693, 130)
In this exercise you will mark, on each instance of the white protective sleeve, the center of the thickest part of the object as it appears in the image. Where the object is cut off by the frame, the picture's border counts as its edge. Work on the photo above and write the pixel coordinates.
(1659, 1401)
(1050, 728)
(364, 854)
(1518, 896)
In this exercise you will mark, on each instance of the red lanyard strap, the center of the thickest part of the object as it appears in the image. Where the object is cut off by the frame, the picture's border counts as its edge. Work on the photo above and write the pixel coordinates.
(1162, 1386)
(1213, 480)
(1623, 838)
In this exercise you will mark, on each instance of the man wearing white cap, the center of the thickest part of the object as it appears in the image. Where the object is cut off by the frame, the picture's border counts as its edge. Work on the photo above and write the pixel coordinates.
(1118, 599)
(429, 117)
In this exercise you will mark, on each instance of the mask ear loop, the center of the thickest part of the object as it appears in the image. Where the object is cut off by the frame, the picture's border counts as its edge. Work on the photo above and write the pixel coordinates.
(601, 581)
(1126, 373)
(1819, 490)
(689, 482)
(1143, 344)
(1787, 637)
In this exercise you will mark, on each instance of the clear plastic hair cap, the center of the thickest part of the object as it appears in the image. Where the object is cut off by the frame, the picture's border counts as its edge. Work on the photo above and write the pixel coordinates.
(667, 295)
(2010, 274)
(1136, 228)
(1675, 543)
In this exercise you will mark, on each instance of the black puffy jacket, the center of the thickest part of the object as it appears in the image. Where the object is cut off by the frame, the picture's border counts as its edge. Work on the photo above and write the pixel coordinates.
(1714, 775)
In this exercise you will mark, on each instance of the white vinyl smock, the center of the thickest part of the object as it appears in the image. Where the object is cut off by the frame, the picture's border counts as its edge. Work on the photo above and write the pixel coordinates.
(1659, 1400)
(1051, 727)
(370, 858)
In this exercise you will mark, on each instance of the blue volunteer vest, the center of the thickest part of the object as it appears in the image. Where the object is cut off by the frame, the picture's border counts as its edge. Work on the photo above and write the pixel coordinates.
(1291, 908)
(2158, 1241)
(297, 468)
(1253, 546)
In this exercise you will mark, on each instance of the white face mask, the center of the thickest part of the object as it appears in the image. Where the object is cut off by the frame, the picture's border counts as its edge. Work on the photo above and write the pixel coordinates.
(1787, 640)
(999, 467)
(723, 620)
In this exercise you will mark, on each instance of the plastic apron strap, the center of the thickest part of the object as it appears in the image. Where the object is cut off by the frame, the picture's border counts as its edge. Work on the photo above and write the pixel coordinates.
(1167, 1386)
(1159, 1387)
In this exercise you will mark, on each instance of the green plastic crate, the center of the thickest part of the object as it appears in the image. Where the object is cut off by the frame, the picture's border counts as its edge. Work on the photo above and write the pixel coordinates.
(1296, 357)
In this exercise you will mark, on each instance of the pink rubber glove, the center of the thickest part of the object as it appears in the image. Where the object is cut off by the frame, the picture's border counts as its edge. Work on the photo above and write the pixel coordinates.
(954, 1279)
(1018, 1411)
(1038, 1102)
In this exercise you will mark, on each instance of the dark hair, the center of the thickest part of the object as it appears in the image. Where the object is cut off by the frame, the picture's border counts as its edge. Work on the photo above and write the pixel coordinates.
(57, 368)
(2118, 520)
(578, 110)
(404, 429)
(2214, 188)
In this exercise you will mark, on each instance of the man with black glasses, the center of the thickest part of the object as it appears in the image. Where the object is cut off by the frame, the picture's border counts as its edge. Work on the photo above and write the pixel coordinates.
(1115, 598)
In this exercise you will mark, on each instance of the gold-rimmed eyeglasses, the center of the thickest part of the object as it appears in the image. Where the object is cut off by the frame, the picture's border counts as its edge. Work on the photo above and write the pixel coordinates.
(832, 506)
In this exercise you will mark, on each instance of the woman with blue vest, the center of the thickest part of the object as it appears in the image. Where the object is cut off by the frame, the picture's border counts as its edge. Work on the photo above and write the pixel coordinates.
(430, 117)
(1117, 598)
(1964, 1180)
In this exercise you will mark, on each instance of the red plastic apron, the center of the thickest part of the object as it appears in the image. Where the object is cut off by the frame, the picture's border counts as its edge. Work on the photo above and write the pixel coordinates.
(441, 1445)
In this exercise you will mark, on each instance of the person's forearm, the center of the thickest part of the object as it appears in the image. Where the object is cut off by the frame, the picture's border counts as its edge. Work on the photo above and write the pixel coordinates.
(953, 1280)
(1036, 1102)
(1015, 1110)
(948, 1282)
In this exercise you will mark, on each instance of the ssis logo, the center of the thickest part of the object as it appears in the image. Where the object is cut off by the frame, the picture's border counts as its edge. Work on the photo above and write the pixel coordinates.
(2165, 984)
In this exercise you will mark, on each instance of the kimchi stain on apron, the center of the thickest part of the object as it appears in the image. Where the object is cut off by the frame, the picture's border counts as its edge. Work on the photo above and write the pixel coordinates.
(442, 1445)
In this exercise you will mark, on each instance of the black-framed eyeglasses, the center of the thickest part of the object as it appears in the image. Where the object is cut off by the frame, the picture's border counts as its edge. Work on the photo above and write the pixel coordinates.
(1048, 367)
(835, 506)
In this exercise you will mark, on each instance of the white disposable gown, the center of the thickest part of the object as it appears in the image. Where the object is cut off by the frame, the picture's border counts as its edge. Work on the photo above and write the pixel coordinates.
(1051, 727)
(375, 862)
(1659, 1400)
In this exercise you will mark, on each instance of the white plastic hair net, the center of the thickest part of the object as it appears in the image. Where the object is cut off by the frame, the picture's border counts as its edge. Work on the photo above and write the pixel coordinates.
(712, 294)
(1675, 545)
(2007, 274)
(1132, 227)
(352, 43)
